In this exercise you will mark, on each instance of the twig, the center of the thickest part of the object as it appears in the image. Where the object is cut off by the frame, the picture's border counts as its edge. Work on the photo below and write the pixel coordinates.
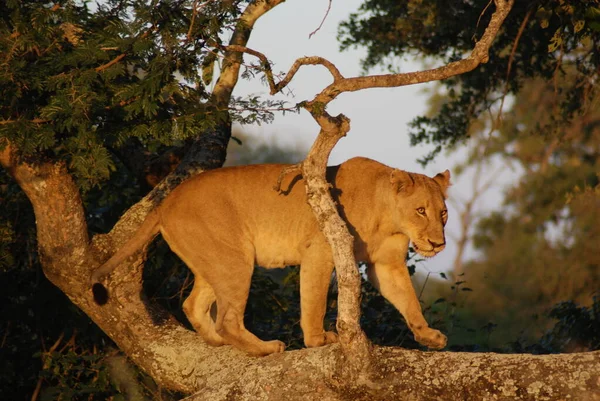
(424, 284)
(110, 63)
(285, 171)
(121, 56)
(34, 121)
(510, 62)
(322, 21)
(194, 12)
(195, 8)
(483, 12)
(266, 65)
(38, 386)
(265, 109)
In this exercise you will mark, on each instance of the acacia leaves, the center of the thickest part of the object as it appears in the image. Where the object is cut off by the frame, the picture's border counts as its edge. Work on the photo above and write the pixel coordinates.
(79, 79)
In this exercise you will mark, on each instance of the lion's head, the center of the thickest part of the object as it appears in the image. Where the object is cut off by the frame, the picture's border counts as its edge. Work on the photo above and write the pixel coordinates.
(420, 210)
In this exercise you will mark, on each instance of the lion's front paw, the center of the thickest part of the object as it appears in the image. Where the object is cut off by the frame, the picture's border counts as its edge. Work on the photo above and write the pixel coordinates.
(274, 346)
(327, 337)
(330, 337)
(431, 338)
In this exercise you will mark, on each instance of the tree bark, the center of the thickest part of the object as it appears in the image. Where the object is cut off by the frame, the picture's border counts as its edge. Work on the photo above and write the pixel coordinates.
(354, 343)
(400, 374)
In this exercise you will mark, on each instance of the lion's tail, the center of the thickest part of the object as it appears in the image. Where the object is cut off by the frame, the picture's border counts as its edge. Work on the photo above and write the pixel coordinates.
(149, 228)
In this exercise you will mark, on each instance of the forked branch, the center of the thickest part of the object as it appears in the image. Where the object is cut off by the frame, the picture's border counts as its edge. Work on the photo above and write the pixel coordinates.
(340, 84)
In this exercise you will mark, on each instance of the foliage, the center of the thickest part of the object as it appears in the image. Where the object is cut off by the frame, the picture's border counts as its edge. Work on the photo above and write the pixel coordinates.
(540, 248)
(577, 329)
(79, 80)
(539, 39)
(246, 149)
(73, 376)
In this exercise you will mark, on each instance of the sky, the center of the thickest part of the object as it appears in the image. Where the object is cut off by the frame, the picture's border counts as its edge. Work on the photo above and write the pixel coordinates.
(379, 117)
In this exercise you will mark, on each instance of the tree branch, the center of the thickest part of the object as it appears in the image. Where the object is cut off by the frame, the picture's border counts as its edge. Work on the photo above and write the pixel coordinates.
(33, 121)
(60, 219)
(340, 84)
(322, 21)
(404, 375)
(110, 63)
(233, 59)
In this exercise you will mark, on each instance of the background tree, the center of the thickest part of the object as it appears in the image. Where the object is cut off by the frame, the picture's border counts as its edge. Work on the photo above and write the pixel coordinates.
(539, 39)
(539, 249)
(543, 68)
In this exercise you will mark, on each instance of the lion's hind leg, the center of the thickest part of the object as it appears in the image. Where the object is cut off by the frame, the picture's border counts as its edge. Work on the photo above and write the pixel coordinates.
(230, 279)
(199, 307)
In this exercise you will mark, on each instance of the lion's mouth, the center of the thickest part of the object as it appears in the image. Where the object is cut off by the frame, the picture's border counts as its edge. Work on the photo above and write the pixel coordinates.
(425, 252)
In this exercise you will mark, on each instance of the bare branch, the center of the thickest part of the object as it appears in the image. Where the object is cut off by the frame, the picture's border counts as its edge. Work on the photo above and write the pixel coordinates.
(267, 69)
(510, 61)
(322, 21)
(194, 12)
(340, 84)
(354, 344)
(287, 170)
(314, 60)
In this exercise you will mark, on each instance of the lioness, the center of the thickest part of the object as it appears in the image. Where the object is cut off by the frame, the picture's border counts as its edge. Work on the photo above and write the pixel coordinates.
(224, 222)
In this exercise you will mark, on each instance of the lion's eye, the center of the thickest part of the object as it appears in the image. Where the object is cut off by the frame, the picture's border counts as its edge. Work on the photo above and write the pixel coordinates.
(421, 210)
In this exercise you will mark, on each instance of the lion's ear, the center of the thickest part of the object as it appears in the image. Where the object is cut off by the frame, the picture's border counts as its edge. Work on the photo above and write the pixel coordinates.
(401, 180)
(443, 180)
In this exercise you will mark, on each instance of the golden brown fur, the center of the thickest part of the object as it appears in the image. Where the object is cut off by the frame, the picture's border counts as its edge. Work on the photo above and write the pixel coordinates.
(224, 222)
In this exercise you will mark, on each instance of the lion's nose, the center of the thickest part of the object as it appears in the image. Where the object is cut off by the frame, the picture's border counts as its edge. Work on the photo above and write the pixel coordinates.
(436, 245)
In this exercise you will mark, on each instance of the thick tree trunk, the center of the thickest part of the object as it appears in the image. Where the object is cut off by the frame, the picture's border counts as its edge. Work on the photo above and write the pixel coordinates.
(407, 375)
